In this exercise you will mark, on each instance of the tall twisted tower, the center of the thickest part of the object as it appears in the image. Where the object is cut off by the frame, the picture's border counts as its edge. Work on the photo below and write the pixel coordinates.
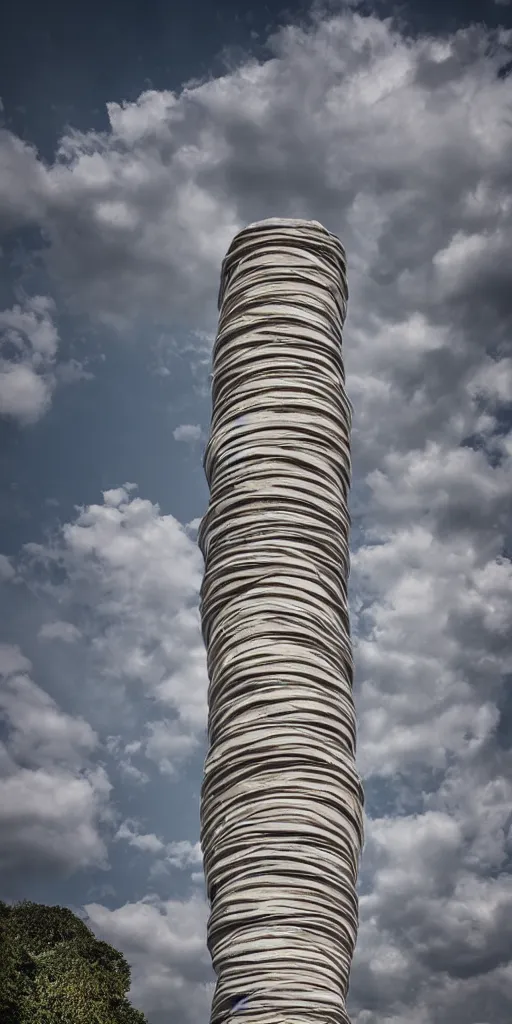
(281, 805)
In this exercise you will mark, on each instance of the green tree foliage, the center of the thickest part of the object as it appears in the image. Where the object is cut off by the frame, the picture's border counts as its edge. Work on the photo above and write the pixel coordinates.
(54, 971)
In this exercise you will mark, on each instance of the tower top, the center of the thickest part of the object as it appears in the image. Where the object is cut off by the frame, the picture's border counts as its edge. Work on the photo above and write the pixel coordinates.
(276, 238)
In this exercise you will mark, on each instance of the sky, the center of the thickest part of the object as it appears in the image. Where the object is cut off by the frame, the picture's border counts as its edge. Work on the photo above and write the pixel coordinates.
(136, 140)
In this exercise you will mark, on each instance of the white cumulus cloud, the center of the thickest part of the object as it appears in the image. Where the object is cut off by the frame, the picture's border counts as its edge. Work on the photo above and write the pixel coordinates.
(53, 798)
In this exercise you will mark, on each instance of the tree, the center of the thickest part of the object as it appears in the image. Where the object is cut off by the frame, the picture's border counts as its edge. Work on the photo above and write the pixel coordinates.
(53, 970)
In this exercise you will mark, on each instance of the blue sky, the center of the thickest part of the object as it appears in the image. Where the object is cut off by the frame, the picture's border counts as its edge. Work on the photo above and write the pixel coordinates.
(135, 142)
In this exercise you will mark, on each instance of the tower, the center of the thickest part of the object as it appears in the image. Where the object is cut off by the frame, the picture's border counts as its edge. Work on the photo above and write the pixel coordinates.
(281, 802)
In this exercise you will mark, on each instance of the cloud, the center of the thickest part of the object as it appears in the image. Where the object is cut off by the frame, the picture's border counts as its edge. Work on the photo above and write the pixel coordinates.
(123, 753)
(435, 936)
(188, 432)
(23, 181)
(182, 854)
(6, 569)
(129, 577)
(431, 588)
(53, 799)
(29, 370)
(146, 843)
(164, 942)
(58, 630)
(348, 121)
(28, 349)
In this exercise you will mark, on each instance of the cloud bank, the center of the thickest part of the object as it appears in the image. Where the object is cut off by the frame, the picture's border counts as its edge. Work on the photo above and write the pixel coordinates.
(403, 147)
